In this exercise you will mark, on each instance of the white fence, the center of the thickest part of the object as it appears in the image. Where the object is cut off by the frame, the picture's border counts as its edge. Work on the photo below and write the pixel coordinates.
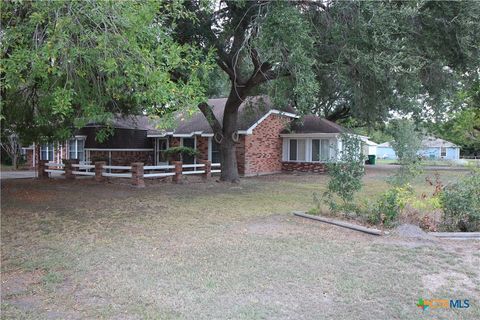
(136, 170)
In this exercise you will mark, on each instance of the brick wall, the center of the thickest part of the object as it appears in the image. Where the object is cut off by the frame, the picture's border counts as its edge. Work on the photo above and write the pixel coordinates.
(288, 166)
(123, 158)
(263, 149)
(202, 147)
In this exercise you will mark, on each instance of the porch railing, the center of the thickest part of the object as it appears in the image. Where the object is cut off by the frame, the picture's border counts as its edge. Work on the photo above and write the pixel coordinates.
(136, 171)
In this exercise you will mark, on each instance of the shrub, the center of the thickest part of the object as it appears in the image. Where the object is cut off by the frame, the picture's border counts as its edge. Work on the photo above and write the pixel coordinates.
(406, 143)
(390, 204)
(461, 204)
(174, 151)
(346, 175)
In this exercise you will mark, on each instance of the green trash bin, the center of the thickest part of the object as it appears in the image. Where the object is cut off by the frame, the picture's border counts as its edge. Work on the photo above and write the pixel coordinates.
(372, 158)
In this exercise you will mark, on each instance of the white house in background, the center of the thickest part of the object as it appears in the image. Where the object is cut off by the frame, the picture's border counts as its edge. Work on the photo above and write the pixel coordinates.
(369, 147)
(432, 148)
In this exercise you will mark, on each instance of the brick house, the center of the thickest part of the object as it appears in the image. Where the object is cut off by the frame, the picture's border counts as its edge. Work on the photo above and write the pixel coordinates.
(269, 140)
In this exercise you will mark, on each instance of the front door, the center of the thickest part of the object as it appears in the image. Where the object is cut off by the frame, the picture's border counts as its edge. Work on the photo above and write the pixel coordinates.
(161, 146)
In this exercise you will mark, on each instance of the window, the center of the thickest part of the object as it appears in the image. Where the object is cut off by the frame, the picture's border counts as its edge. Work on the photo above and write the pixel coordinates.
(76, 148)
(190, 143)
(215, 151)
(46, 151)
(443, 152)
(162, 145)
(320, 150)
(297, 150)
(293, 150)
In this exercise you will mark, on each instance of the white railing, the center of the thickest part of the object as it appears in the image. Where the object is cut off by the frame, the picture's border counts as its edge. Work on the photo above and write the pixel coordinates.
(118, 167)
(85, 167)
(149, 171)
(117, 175)
(56, 167)
(215, 165)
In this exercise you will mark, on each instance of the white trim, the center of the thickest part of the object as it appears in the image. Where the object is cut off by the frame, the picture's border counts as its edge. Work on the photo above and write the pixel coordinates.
(309, 135)
(157, 150)
(160, 135)
(273, 111)
(209, 149)
(80, 137)
(207, 135)
(100, 149)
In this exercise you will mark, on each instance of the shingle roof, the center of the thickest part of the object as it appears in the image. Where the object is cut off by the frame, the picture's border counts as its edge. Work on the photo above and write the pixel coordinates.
(432, 142)
(250, 111)
(314, 124)
(429, 142)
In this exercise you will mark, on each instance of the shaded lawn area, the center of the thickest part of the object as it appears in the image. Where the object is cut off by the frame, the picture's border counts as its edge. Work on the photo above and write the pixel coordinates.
(76, 250)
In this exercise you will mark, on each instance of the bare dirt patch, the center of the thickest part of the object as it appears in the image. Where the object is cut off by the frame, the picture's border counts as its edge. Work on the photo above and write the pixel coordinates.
(20, 282)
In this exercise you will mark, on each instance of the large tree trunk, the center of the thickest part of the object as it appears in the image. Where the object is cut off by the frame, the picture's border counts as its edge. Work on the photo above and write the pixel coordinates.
(228, 146)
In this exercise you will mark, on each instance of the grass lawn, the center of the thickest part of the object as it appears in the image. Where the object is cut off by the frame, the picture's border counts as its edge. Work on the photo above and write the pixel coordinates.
(82, 250)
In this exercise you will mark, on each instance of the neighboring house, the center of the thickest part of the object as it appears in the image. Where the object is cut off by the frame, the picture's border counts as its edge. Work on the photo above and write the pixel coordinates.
(432, 148)
(269, 140)
(369, 147)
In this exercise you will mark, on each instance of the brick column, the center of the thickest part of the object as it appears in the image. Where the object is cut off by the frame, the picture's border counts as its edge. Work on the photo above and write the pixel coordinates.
(137, 174)
(99, 170)
(177, 178)
(207, 168)
(41, 169)
(68, 168)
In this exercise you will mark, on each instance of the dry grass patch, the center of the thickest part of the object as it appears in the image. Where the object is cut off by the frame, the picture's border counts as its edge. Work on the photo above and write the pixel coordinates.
(214, 251)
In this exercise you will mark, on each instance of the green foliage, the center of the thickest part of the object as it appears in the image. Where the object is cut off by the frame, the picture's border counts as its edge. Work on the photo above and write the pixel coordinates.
(406, 143)
(461, 204)
(68, 62)
(390, 204)
(374, 57)
(346, 174)
(174, 151)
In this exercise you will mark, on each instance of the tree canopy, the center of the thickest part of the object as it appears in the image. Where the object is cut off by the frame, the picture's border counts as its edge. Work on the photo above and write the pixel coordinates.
(68, 62)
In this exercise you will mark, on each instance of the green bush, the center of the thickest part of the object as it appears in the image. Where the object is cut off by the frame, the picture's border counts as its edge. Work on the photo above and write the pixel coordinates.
(174, 151)
(345, 175)
(461, 204)
(390, 204)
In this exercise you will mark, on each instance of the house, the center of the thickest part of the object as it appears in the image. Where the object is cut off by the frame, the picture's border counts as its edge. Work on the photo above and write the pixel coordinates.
(269, 140)
(432, 148)
(369, 147)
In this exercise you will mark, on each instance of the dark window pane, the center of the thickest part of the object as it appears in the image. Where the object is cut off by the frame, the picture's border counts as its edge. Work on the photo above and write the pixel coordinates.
(315, 150)
(190, 143)
(293, 150)
(215, 151)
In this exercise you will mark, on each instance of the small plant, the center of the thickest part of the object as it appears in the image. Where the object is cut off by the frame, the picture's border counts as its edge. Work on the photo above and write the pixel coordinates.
(346, 175)
(390, 204)
(175, 151)
(461, 204)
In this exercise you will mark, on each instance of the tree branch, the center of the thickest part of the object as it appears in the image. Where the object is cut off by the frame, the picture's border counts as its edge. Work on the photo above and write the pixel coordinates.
(210, 116)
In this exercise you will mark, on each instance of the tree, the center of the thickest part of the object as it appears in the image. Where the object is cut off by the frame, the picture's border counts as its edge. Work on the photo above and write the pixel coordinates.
(255, 43)
(463, 126)
(378, 57)
(346, 173)
(10, 144)
(68, 62)
(368, 58)
(406, 143)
